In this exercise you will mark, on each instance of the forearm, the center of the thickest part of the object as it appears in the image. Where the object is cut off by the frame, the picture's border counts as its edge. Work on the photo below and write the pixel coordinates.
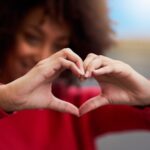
(4, 103)
(6, 98)
(146, 101)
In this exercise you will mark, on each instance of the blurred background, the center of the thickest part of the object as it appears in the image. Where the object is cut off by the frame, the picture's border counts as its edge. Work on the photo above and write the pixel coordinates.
(131, 22)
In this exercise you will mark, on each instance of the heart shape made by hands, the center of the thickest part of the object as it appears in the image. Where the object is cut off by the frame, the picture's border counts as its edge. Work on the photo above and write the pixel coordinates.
(89, 98)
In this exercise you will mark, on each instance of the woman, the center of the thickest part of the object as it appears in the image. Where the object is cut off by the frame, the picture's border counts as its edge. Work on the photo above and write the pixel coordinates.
(34, 36)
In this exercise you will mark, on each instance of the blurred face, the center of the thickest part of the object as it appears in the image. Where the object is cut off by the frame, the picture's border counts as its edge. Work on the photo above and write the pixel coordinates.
(35, 41)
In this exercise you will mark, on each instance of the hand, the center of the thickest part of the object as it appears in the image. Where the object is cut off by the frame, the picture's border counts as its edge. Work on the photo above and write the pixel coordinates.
(34, 90)
(120, 84)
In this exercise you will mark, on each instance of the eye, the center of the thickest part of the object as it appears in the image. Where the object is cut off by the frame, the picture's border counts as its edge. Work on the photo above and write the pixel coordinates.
(32, 38)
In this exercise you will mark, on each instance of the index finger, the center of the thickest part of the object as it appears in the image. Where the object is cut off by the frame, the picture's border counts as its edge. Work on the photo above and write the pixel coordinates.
(68, 54)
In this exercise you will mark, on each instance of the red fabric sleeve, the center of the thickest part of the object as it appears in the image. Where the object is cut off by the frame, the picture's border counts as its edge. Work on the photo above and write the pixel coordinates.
(118, 118)
(3, 114)
(115, 118)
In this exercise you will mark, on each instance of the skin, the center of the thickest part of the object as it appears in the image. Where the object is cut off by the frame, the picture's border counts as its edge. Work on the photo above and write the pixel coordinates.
(38, 49)
(35, 41)
(39, 56)
(120, 84)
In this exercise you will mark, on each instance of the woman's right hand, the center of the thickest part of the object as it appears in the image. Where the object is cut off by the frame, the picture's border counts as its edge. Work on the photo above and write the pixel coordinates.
(34, 89)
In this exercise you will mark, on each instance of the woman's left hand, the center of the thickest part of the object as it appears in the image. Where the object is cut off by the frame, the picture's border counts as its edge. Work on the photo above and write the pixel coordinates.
(119, 83)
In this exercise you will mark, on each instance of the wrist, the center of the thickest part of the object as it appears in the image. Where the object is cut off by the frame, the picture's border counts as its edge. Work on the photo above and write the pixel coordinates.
(6, 98)
(147, 88)
(144, 95)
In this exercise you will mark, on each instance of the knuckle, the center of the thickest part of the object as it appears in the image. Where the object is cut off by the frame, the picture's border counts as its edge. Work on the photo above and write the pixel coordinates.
(39, 66)
(79, 59)
(118, 66)
(42, 70)
(60, 60)
(66, 51)
(90, 66)
(91, 55)
(100, 56)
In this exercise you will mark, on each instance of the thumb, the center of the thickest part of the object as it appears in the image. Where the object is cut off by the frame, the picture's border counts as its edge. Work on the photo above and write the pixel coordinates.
(63, 106)
(92, 104)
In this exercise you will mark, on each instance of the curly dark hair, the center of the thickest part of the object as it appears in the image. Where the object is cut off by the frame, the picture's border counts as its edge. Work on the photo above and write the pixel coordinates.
(88, 20)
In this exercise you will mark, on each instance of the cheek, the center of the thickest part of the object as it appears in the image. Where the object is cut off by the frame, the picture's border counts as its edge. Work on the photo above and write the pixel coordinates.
(23, 50)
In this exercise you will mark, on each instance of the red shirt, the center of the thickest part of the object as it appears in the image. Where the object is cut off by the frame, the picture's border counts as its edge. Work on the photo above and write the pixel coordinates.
(51, 130)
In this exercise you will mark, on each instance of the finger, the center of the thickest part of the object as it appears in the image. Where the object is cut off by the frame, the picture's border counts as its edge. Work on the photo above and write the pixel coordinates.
(98, 63)
(67, 53)
(94, 64)
(102, 71)
(90, 57)
(70, 65)
(92, 104)
(62, 106)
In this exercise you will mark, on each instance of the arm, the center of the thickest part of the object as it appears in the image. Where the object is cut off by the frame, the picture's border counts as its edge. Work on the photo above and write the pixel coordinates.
(3, 102)
(114, 118)
(120, 84)
(34, 89)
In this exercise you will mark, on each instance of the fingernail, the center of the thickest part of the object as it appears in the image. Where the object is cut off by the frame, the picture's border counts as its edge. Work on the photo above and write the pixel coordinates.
(82, 72)
(87, 74)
